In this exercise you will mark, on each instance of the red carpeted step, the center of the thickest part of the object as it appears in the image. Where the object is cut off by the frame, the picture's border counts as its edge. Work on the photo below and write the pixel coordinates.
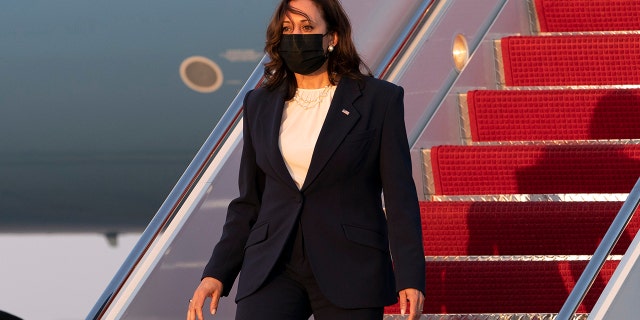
(524, 115)
(505, 286)
(534, 169)
(588, 15)
(571, 60)
(457, 228)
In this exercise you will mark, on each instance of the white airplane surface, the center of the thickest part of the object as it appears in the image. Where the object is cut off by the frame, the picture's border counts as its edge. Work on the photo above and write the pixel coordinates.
(103, 105)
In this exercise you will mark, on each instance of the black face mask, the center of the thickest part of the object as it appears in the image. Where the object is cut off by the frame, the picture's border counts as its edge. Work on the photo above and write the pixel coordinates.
(302, 53)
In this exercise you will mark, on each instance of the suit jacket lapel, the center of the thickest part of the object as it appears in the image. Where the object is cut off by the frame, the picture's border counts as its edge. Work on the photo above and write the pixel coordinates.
(273, 137)
(342, 116)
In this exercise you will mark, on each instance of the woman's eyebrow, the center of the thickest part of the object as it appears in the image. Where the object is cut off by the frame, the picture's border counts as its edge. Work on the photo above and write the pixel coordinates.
(305, 22)
(301, 21)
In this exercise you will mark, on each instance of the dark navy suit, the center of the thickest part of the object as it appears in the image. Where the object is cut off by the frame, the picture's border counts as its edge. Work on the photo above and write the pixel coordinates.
(361, 151)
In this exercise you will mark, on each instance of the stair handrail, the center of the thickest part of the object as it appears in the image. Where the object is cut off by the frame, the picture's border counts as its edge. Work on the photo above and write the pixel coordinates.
(601, 254)
(208, 151)
(423, 13)
(179, 193)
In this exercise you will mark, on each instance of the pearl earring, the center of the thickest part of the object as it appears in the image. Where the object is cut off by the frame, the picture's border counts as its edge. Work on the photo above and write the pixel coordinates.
(330, 49)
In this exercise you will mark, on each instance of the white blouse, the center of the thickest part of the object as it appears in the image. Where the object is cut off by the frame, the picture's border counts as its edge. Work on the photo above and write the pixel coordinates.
(302, 120)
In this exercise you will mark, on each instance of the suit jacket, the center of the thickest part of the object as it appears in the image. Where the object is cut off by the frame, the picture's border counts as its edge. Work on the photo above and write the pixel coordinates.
(362, 150)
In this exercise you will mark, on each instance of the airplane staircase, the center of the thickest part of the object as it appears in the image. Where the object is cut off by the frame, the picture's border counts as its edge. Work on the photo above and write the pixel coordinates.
(514, 215)
(522, 158)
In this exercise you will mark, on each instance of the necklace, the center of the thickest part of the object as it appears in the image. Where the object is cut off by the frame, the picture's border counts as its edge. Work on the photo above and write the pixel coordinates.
(311, 97)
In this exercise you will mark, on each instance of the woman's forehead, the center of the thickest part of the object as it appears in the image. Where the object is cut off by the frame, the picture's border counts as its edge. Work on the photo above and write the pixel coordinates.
(302, 11)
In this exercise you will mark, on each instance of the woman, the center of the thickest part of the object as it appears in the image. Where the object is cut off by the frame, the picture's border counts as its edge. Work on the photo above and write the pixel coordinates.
(321, 142)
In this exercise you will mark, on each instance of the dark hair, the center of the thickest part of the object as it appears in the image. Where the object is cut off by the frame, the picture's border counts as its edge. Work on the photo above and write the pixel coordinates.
(344, 61)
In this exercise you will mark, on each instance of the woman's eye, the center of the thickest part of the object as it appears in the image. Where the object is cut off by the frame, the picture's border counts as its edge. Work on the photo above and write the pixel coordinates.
(286, 29)
(307, 28)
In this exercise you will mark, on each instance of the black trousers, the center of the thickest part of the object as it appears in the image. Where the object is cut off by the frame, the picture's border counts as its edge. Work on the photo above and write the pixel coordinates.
(292, 293)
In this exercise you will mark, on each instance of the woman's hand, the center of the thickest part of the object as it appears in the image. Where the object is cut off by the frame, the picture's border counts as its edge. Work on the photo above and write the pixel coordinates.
(209, 287)
(415, 298)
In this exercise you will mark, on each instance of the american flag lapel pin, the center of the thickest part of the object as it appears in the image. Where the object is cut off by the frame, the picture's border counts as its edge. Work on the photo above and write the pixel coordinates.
(345, 111)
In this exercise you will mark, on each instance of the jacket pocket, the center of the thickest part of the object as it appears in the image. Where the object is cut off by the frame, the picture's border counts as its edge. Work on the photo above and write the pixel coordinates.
(359, 136)
(366, 237)
(257, 235)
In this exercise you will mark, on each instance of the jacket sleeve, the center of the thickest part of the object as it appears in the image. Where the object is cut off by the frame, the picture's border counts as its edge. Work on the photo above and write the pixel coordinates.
(400, 197)
(228, 254)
